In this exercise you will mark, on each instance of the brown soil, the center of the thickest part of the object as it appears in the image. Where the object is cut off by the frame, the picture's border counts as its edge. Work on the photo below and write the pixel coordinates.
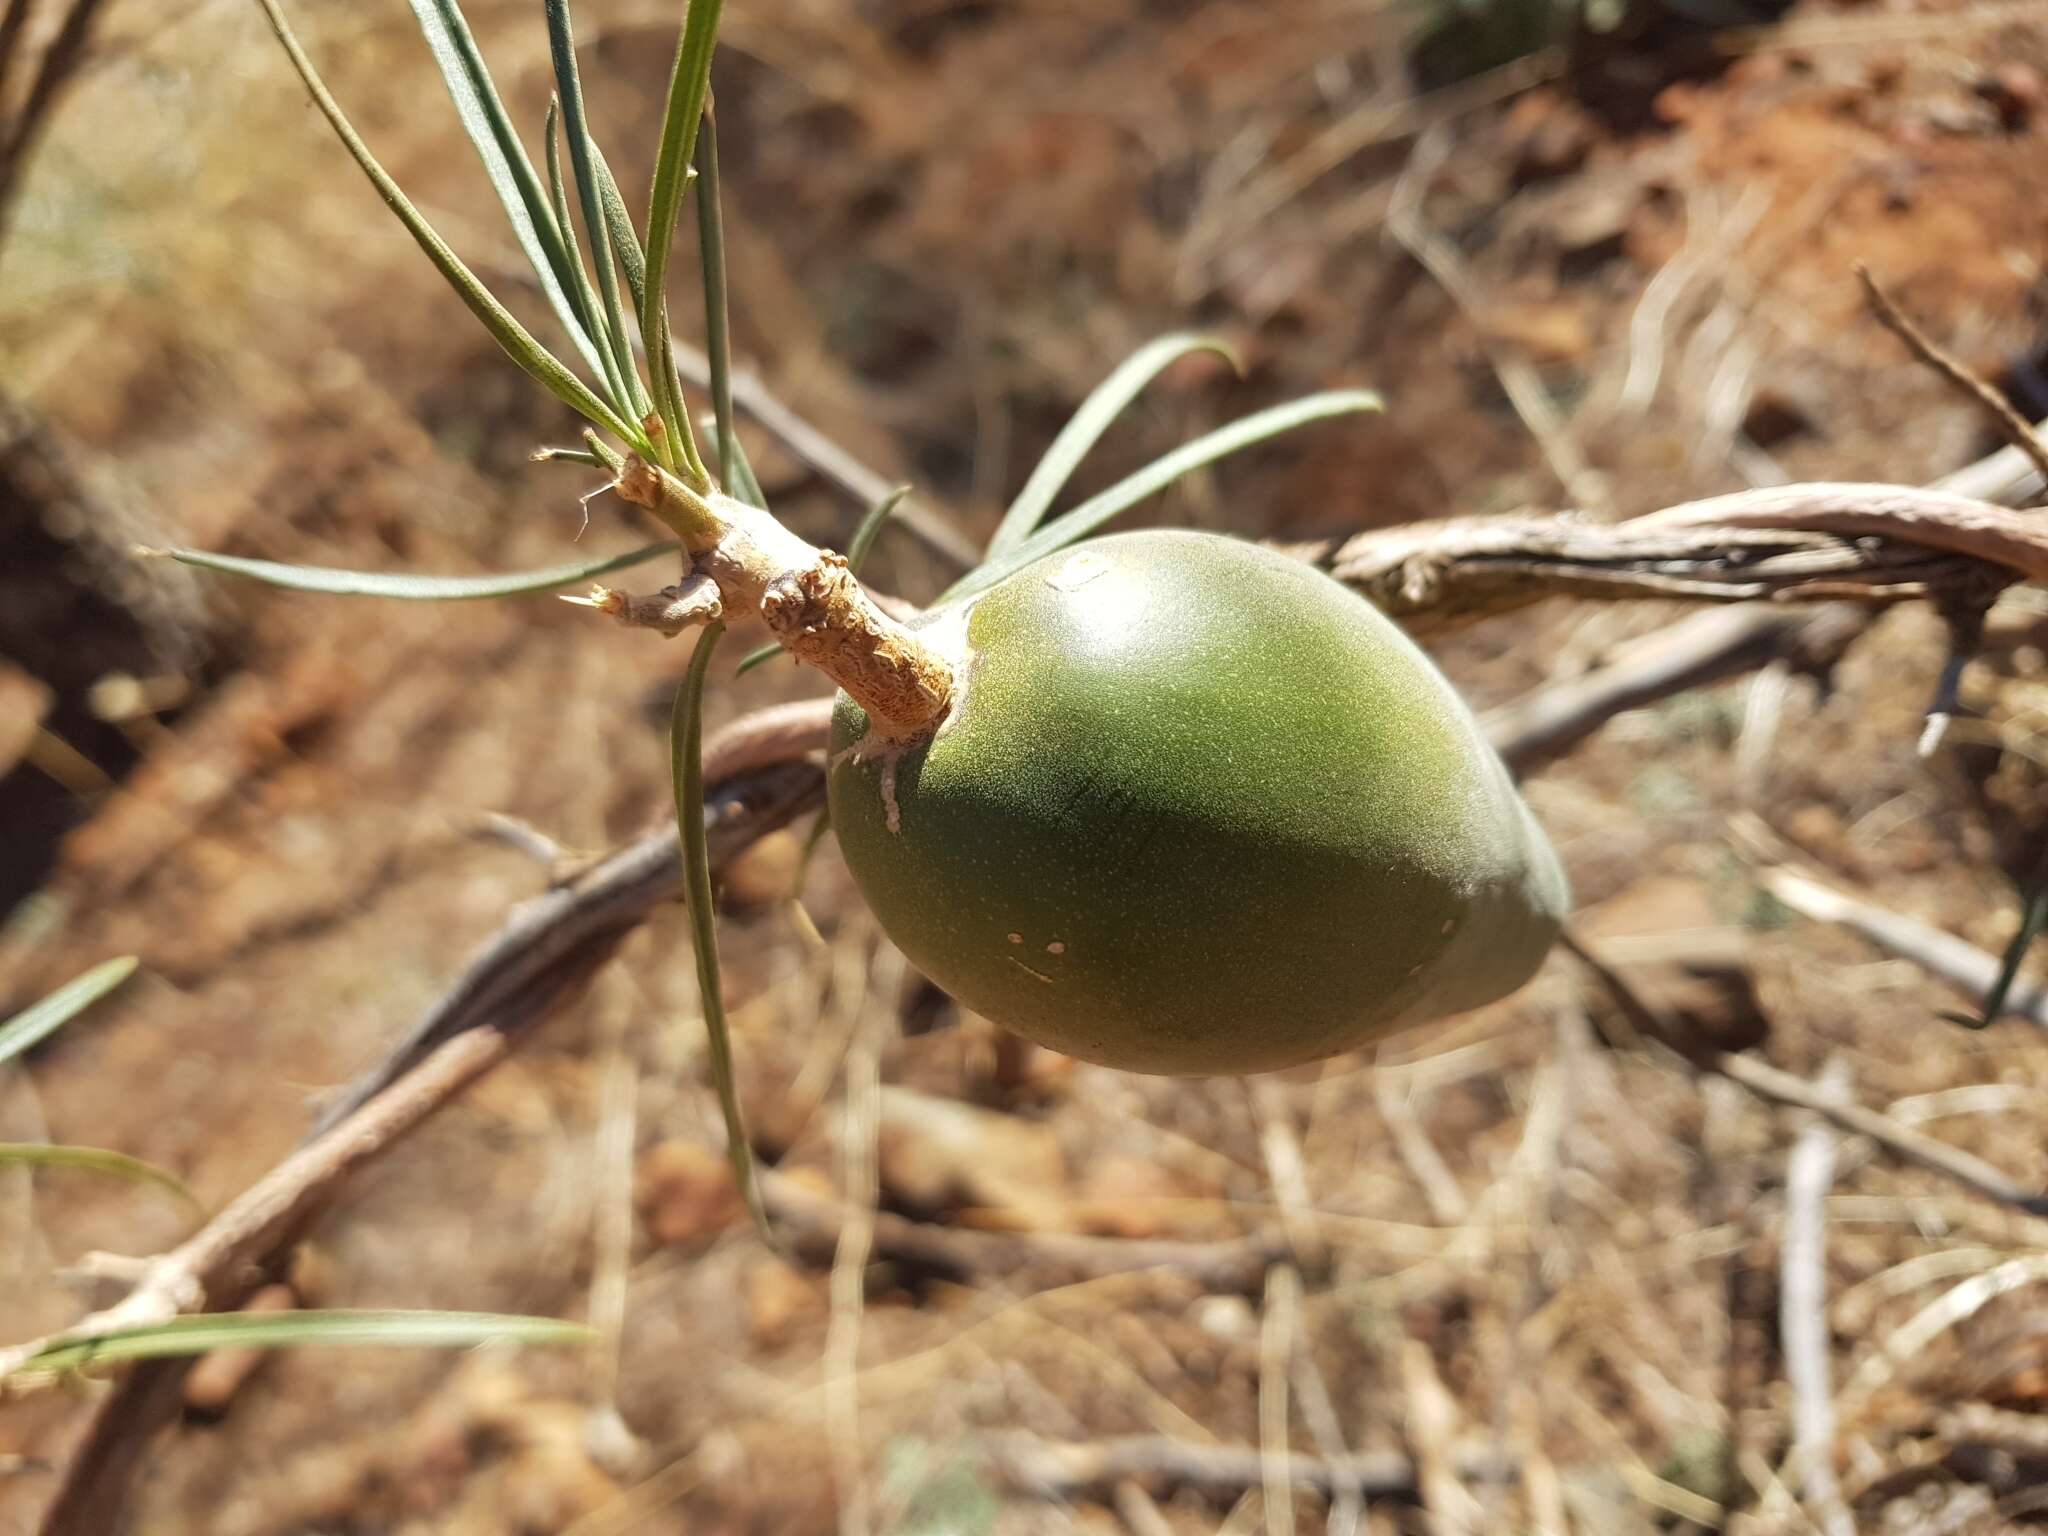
(947, 222)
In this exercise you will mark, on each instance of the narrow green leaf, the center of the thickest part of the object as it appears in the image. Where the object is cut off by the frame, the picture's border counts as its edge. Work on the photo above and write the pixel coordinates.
(505, 161)
(539, 364)
(44, 1018)
(618, 222)
(1081, 433)
(565, 456)
(609, 364)
(733, 467)
(686, 773)
(870, 527)
(576, 128)
(759, 656)
(116, 1165)
(821, 825)
(283, 1330)
(633, 264)
(410, 584)
(1159, 474)
(689, 82)
(864, 535)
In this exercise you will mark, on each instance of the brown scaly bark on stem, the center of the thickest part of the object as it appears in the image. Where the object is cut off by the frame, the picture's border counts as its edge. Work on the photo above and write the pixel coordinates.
(807, 597)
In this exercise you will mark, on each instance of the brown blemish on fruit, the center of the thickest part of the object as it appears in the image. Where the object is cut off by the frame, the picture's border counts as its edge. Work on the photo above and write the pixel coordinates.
(1056, 948)
(1027, 970)
(1016, 938)
(892, 813)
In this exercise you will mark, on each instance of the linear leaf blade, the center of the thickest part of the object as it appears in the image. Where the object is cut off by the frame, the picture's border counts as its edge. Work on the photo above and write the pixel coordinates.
(117, 1165)
(689, 83)
(581, 293)
(1160, 473)
(52, 1013)
(411, 585)
(686, 775)
(539, 364)
(576, 128)
(505, 160)
(1084, 429)
(282, 1330)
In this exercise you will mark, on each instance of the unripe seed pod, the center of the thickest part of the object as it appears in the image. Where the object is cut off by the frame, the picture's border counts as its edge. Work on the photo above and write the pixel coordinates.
(1196, 808)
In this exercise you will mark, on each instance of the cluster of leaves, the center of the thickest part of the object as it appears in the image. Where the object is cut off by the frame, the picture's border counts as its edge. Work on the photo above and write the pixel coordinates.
(195, 1335)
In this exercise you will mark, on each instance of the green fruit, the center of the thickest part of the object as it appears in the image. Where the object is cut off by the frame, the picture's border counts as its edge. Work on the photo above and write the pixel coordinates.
(1197, 808)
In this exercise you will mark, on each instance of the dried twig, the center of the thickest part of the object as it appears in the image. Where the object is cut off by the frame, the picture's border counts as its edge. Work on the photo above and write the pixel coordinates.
(1973, 1173)
(1439, 1187)
(1966, 379)
(1140, 1515)
(758, 784)
(811, 1223)
(1781, 1087)
(1910, 1341)
(1806, 542)
(61, 61)
(1701, 649)
(1048, 1469)
(1954, 960)
(217, 1268)
(1432, 1426)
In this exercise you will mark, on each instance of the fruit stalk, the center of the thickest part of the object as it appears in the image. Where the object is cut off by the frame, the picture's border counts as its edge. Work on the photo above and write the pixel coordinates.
(807, 597)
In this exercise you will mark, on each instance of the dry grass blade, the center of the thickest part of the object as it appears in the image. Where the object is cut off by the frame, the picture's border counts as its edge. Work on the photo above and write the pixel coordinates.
(1276, 1350)
(1802, 1269)
(1912, 1339)
(859, 1157)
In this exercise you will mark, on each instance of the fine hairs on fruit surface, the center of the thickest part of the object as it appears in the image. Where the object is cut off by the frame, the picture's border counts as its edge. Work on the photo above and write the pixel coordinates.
(1196, 808)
